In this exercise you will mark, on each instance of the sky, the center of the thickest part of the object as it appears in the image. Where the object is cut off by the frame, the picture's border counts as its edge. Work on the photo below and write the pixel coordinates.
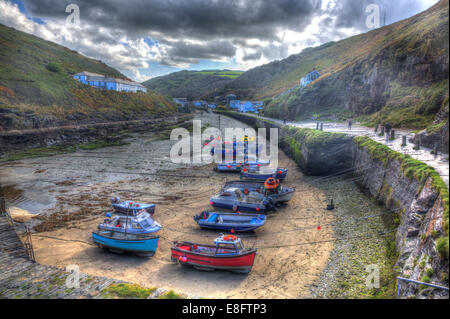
(148, 38)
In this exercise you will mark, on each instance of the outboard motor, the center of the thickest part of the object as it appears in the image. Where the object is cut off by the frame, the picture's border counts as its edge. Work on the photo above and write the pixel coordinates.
(270, 204)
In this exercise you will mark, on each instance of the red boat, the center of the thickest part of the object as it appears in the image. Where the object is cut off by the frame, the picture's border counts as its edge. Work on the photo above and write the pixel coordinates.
(228, 253)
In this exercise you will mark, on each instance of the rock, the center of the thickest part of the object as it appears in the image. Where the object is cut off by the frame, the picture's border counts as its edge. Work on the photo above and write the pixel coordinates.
(20, 215)
(158, 292)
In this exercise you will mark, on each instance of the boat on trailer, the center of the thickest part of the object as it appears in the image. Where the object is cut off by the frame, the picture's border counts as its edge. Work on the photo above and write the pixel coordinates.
(263, 173)
(234, 199)
(280, 194)
(234, 222)
(227, 253)
(129, 207)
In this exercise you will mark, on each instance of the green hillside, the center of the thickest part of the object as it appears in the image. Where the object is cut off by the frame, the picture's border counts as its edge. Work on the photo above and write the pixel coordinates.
(192, 84)
(36, 88)
(398, 73)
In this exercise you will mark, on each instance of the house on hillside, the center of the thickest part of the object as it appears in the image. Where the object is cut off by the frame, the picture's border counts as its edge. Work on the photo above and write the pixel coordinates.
(230, 98)
(246, 106)
(308, 78)
(108, 83)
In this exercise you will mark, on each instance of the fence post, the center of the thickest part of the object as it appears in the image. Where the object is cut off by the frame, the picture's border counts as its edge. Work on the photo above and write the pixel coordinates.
(321, 126)
(2, 205)
(403, 140)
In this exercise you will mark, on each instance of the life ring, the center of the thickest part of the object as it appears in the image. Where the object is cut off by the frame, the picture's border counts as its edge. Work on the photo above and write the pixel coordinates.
(271, 183)
(229, 237)
(246, 191)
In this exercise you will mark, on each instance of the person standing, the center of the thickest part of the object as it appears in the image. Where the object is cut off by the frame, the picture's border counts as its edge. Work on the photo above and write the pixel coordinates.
(387, 130)
(350, 124)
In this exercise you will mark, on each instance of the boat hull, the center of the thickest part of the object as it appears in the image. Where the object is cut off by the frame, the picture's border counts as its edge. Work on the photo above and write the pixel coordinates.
(257, 176)
(236, 167)
(239, 264)
(239, 206)
(231, 221)
(284, 195)
(143, 247)
(149, 208)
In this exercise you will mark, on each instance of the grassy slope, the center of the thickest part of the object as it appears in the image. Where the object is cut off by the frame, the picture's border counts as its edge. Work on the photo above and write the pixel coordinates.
(405, 93)
(28, 84)
(192, 84)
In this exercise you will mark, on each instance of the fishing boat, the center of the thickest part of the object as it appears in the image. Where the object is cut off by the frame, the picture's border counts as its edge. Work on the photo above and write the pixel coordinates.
(227, 253)
(130, 207)
(142, 223)
(119, 242)
(236, 166)
(280, 194)
(234, 222)
(235, 200)
(134, 234)
(263, 173)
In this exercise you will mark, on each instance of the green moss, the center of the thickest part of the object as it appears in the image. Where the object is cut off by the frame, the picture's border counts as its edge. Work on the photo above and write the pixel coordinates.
(171, 295)
(131, 291)
(442, 247)
(100, 144)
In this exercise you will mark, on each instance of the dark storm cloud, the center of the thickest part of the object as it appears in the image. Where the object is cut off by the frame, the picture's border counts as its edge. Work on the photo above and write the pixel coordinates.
(186, 52)
(193, 18)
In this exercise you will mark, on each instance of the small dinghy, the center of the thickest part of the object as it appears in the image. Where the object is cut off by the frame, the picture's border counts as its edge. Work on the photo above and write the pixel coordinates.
(234, 222)
(130, 207)
(263, 173)
(235, 200)
(280, 194)
(227, 253)
(142, 223)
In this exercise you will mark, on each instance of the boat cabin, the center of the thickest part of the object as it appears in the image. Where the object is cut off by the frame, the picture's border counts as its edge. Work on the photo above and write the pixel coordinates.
(228, 244)
(141, 223)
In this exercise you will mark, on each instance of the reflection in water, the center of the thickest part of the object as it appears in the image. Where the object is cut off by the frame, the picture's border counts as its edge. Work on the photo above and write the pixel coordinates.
(15, 197)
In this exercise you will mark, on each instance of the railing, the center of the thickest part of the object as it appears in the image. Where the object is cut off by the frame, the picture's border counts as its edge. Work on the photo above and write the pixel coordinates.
(28, 244)
(400, 279)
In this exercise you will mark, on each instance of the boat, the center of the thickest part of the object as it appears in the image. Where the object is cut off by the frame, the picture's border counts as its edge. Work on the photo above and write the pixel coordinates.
(133, 234)
(234, 222)
(142, 223)
(236, 166)
(280, 194)
(119, 242)
(234, 199)
(263, 173)
(227, 253)
(130, 207)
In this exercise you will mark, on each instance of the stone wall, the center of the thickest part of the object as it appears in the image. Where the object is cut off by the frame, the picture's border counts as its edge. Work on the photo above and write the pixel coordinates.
(71, 135)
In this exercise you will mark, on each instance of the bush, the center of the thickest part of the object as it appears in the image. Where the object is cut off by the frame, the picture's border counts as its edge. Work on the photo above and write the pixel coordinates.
(54, 67)
(442, 247)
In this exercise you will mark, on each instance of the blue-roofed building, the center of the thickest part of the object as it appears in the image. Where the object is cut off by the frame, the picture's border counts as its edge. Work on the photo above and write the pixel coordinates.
(308, 78)
(103, 82)
(246, 106)
(212, 106)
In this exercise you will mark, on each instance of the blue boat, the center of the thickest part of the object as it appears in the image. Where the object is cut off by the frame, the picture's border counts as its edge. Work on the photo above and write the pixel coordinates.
(263, 173)
(234, 222)
(131, 208)
(237, 166)
(235, 200)
(118, 242)
(140, 224)
(280, 194)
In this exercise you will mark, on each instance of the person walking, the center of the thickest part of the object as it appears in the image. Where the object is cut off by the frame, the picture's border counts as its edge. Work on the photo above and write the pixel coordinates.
(350, 122)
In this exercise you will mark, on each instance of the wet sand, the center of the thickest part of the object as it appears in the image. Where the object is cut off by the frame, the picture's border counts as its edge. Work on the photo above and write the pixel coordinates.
(75, 189)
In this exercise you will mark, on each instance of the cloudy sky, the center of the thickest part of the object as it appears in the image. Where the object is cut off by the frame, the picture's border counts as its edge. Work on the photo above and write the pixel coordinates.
(147, 38)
